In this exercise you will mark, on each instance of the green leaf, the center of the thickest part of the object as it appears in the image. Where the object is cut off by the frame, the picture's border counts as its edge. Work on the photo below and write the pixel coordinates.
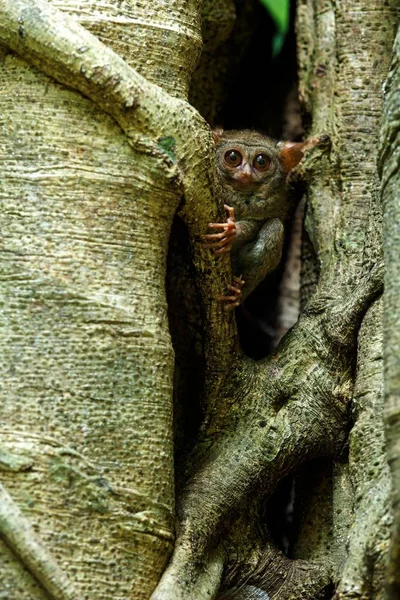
(279, 11)
(277, 43)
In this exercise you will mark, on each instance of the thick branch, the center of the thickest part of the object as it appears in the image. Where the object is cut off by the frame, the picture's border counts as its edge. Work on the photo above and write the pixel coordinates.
(56, 44)
(390, 156)
(291, 408)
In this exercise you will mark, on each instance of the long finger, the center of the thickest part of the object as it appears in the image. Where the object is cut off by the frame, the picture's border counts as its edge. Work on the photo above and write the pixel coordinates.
(219, 225)
(213, 236)
(235, 290)
(226, 248)
(228, 299)
(230, 210)
(218, 244)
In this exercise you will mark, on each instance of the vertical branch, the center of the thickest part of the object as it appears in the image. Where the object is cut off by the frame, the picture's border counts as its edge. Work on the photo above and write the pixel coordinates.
(389, 159)
(344, 51)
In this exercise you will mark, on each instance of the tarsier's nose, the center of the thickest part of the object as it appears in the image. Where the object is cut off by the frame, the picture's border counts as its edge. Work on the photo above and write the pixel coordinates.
(245, 173)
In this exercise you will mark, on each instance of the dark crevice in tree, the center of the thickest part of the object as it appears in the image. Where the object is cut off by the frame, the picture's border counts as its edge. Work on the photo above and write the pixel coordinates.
(258, 88)
(279, 513)
(258, 91)
(185, 323)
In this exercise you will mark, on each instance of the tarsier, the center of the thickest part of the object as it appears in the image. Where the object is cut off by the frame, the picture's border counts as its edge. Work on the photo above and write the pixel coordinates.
(253, 171)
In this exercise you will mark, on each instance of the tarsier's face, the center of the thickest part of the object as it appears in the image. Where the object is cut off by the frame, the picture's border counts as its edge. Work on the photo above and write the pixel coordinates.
(246, 165)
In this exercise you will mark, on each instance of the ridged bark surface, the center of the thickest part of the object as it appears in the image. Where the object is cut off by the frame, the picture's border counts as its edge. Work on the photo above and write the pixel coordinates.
(389, 161)
(87, 361)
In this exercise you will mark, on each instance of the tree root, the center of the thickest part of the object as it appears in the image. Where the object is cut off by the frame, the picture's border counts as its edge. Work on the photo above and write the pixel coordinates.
(291, 407)
(275, 576)
(20, 536)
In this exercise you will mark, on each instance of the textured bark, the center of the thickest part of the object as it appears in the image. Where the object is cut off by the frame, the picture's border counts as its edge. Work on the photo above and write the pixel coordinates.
(80, 354)
(389, 160)
(87, 204)
(344, 52)
(86, 453)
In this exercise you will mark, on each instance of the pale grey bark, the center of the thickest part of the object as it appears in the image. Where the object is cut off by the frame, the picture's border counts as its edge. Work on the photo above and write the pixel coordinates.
(87, 204)
(345, 49)
(389, 160)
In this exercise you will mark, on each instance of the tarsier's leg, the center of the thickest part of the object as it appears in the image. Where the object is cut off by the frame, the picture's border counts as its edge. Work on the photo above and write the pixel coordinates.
(257, 258)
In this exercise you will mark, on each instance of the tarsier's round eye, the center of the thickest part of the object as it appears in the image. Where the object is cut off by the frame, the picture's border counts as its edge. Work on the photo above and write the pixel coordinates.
(233, 158)
(261, 162)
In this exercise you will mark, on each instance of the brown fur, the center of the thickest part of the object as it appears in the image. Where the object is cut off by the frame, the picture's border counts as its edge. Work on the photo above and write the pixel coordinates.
(258, 197)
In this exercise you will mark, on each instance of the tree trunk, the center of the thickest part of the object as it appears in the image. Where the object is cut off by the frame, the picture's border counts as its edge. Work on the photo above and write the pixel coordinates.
(87, 359)
(389, 151)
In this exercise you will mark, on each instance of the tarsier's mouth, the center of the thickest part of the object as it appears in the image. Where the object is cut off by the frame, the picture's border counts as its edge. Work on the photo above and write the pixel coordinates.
(243, 185)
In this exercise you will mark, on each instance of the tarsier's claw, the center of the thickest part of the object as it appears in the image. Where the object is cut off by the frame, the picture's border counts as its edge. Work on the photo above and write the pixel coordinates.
(233, 300)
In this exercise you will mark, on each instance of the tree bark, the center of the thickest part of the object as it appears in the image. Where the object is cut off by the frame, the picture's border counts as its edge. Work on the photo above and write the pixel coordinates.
(88, 196)
(389, 161)
(87, 473)
(345, 48)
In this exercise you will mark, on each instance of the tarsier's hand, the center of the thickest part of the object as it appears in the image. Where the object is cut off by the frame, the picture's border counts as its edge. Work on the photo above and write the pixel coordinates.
(233, 300)
(222, 242)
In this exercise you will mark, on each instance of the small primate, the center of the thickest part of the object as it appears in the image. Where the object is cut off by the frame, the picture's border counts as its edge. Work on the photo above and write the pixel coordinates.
(253, 171)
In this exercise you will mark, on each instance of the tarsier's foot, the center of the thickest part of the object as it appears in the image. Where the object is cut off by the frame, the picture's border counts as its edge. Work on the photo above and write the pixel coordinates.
(233, 300)
(221, 242)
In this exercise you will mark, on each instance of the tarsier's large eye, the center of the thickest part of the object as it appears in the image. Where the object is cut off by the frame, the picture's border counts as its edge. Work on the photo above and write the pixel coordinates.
(261, 162)
(233, 158)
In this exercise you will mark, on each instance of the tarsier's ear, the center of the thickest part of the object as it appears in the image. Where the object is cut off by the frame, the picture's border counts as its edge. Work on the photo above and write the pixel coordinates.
(290, 154)
(217, 134)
